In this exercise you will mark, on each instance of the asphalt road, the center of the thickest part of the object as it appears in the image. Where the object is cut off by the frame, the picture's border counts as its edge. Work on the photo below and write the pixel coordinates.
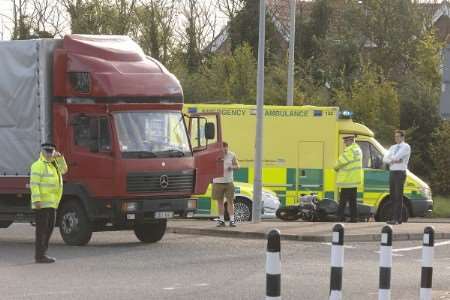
(116, 266)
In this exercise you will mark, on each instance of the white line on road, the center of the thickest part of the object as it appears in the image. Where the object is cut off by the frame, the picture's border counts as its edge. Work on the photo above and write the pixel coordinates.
(419, 247)
(345, 246)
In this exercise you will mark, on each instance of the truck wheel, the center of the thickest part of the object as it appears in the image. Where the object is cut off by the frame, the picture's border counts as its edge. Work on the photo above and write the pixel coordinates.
(150, 232)
(74, 225)
(242, 210)
(5, 224)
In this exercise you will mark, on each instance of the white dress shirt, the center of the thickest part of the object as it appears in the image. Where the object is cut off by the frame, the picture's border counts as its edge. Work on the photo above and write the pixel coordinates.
(398, 152)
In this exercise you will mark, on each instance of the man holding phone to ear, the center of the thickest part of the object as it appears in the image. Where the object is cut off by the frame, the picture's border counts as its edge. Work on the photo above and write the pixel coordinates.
(46, 185)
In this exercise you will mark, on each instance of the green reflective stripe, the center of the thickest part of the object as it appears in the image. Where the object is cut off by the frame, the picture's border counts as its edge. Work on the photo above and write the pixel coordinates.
(36, 174)
(35, 197)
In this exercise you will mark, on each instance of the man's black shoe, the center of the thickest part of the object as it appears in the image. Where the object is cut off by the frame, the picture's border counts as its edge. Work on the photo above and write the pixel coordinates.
(45, 260)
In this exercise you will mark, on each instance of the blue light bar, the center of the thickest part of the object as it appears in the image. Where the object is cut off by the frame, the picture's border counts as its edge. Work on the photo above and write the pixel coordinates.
(345, 114)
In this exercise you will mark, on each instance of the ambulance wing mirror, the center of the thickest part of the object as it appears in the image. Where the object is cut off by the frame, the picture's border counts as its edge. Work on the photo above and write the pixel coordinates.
(210, 131)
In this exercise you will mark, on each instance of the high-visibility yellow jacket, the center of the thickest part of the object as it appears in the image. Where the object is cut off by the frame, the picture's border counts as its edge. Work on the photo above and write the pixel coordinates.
(349, 167)
(46, 181)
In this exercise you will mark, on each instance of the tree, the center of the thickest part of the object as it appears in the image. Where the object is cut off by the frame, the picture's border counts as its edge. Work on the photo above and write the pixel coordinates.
(440, 155)
(199, 29)
(374, 102)
(244, 28)
(101, 16)
(155, 28)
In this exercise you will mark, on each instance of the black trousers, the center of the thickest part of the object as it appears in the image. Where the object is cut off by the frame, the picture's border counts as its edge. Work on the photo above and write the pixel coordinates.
(45, 222)
(396, 183)
(348, 195)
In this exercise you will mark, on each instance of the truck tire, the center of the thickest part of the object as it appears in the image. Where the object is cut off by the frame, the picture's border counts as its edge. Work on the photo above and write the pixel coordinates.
(150, 232)
(5, 224)
(242, 210)
(74, 224)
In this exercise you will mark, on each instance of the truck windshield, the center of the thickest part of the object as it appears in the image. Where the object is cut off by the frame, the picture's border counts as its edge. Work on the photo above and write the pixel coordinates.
(151, 134)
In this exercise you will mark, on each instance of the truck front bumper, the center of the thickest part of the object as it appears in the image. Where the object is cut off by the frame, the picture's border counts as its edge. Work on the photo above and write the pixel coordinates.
(141, 210)
(421, 207)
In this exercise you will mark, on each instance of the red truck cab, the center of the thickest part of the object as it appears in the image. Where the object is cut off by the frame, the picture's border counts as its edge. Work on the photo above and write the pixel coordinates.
(134, 158)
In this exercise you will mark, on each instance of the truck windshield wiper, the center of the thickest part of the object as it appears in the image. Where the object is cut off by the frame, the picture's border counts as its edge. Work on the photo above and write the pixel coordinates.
(173, 153)
(141, 154)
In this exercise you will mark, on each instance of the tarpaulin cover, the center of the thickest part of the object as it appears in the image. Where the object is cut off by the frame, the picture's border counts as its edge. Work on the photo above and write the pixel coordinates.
(25, 95)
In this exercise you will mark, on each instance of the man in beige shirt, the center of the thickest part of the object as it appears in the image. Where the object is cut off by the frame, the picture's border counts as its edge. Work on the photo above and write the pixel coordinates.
(223, 187)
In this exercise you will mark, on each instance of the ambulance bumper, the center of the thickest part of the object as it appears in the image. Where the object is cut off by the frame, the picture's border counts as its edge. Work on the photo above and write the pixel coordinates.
(421, 207)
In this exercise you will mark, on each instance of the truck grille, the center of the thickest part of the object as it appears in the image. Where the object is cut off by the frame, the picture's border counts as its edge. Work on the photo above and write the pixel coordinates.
(182, 182)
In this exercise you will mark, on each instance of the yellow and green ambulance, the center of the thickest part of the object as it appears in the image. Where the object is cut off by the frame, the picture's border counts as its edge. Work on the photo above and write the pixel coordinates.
(300, 147)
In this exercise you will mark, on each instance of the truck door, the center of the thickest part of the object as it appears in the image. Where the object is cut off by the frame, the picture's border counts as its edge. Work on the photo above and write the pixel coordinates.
(91, 160)
(206, 142)
(310, 167)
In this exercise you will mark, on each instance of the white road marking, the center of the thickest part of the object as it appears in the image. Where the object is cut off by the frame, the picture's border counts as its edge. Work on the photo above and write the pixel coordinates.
(201, 284)
(345, 246)
(170, 288)
(420, 247)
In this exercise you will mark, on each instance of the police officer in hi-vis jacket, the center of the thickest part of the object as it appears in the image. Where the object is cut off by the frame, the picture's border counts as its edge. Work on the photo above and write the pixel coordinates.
(46, 185)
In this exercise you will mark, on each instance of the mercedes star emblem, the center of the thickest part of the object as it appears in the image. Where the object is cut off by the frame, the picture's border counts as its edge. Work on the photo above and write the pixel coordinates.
(164, 181)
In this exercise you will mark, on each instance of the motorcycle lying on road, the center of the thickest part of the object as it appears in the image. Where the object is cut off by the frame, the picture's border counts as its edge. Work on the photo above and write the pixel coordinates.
(311, 209)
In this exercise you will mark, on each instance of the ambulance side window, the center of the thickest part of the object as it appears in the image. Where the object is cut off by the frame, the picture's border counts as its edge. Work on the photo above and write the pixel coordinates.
(377, 158)
(372, 158)
(366, 160)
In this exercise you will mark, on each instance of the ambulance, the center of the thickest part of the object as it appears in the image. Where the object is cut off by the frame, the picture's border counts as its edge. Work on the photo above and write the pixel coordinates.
(300, 147)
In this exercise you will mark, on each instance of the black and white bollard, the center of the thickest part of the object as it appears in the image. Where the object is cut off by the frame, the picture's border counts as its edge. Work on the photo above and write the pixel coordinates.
(273, 266)
(337, 262)
(427, 264)
(384, 292)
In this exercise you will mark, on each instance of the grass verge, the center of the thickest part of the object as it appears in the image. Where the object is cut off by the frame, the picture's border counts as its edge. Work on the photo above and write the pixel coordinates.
(441, 207)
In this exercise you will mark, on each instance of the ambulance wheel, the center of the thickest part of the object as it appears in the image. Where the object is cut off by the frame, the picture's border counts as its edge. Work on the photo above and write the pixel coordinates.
(242, 210)
(150, 232)
(74, 224)
(5, 224)
(385, 211)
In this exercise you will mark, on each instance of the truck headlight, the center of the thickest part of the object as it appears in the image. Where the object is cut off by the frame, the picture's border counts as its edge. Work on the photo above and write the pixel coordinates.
(131, 206)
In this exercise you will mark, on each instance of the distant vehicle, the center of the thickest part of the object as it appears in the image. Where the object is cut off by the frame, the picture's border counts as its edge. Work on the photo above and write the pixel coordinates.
(116, 115)
(301, 145)
(206, 207)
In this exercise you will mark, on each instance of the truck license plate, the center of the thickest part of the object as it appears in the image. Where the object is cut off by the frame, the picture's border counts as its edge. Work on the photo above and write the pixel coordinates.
(163, 214)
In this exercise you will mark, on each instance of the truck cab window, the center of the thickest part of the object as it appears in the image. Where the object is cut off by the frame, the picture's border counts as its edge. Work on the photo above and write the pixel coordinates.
(104, 137)
(81, 131)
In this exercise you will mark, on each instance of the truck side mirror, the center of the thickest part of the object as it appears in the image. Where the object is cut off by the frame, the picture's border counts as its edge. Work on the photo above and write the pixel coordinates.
(210, 131)
(93, 135)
